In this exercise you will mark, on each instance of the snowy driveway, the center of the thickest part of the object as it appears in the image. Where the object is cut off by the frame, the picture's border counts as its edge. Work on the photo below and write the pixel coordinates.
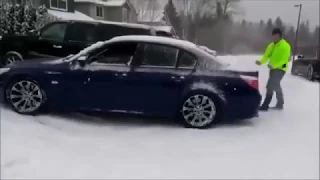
(273, 146)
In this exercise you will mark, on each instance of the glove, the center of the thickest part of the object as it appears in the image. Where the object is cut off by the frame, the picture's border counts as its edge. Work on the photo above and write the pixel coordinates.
(269, 66)
(258, 63)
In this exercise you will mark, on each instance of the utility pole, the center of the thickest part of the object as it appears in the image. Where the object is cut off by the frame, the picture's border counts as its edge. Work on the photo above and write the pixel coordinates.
(295, 46)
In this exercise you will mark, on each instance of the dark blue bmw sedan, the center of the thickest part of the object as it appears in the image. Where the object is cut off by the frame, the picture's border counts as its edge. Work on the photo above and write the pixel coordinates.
(148, 75)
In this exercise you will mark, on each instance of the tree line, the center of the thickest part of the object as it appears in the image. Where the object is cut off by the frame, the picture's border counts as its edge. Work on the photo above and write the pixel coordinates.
(211, 23)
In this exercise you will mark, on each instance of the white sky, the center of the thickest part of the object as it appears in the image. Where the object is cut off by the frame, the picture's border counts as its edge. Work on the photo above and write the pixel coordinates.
(255, 10)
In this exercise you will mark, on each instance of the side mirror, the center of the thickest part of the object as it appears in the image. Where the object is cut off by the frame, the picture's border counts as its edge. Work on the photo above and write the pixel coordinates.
(34, 32)
(82, 60)
(300, 56)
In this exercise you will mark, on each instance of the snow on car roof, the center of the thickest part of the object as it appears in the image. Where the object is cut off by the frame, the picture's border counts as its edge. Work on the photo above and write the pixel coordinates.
(131, 25)
(155, 39)
(76, 15)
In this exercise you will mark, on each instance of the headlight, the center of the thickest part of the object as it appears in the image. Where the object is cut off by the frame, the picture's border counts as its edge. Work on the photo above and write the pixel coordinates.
(4, 70)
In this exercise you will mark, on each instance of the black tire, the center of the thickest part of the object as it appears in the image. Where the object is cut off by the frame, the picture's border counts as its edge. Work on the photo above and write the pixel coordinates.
(217, 118)
(25, 92)
(309, 74)
(11, 57)
(294, 71)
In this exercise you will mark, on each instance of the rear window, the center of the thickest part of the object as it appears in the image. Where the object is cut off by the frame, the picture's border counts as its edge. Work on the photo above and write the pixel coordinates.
(109, 31)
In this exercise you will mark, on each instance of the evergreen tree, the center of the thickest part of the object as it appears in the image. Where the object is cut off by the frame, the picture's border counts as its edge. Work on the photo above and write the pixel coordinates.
(261, 24)
(174, 18)
(279, 24)
(291, 35)
(19, 19)
(269, 26)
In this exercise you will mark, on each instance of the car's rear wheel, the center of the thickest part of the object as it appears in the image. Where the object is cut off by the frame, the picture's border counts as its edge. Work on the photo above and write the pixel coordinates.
(200, 111)
(310, 73)
(12, 57)
(25, 96)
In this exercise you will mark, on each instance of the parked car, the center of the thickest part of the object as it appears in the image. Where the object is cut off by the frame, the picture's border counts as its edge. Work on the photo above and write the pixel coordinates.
(61, 38)
(308, 67)
(148, 75)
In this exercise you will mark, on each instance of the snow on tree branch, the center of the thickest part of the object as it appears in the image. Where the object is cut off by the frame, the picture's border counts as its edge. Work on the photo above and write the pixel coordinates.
(148, 10)
(19, 19)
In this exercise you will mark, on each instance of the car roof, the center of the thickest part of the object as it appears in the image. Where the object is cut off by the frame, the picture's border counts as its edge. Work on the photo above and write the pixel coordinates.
(123, 24)
(156, 39)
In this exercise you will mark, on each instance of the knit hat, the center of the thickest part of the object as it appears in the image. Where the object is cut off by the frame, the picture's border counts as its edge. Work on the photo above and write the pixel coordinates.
(277, 31)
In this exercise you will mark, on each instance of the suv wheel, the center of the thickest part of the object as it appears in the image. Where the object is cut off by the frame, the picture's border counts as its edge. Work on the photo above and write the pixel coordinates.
(12, 57)
(310, 73)
(199, 111)
(25, 96)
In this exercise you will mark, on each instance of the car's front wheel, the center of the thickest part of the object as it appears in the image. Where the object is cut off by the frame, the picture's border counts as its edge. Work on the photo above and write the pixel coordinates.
(12, 57)
(200, 111)
(25, 96)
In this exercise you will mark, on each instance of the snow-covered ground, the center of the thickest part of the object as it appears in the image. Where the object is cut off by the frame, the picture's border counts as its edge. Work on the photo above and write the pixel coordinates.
(273, 146)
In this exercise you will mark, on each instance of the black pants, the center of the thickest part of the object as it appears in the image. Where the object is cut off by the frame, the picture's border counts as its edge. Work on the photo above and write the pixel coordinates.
(273, 85)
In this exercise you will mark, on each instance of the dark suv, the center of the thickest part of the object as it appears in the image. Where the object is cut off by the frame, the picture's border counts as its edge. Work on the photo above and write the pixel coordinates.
(61, 38)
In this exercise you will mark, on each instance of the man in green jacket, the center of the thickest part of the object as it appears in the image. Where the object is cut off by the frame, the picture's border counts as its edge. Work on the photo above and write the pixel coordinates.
(278, 53)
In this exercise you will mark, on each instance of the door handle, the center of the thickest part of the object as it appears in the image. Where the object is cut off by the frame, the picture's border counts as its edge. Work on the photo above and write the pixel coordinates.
(58, 47)
(121, 75)
(177, 78)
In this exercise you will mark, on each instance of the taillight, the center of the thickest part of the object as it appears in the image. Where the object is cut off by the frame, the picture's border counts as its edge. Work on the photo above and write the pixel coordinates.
(251, 81)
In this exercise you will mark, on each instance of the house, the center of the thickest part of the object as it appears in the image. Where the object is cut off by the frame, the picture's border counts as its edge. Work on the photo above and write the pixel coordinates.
(63, 9)
(107, 10)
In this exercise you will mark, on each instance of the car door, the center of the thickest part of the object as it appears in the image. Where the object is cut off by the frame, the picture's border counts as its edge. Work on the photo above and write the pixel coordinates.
(50, 43)
(79, 35)
(107, 72)
(157, 82)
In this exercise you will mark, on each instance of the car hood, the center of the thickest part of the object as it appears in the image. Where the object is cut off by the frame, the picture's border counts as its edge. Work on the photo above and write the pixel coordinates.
(38, 63)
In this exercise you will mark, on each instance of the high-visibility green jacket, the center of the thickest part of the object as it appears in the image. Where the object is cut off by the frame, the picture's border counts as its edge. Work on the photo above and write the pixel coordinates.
(278, 55)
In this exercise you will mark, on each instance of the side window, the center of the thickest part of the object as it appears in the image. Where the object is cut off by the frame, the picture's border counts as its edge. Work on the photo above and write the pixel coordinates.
(82, 32)
(159, 55)
(55, 31)
(187, 60)
(119, 53)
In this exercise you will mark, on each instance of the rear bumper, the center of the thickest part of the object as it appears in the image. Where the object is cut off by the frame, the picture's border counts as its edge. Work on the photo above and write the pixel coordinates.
(243, 107)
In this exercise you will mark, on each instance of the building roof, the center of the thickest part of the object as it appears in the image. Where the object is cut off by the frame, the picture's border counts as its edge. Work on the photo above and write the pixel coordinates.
(110, 3)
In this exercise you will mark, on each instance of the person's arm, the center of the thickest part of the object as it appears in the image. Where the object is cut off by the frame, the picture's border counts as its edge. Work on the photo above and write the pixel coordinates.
(266, 55)
(283, 56)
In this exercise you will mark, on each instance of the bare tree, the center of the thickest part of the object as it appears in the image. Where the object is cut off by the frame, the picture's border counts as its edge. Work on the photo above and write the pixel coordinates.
(148, 10)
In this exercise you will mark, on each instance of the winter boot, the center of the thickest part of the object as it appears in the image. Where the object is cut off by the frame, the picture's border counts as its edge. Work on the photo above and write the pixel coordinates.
(264, 108)
(277, 107)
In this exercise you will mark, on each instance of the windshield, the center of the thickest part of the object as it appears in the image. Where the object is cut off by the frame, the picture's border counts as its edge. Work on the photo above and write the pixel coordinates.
(210, 62)
(86, 51)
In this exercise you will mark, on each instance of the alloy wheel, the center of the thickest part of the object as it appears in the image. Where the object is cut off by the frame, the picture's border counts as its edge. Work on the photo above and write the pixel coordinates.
(25, 96)
(199, 110)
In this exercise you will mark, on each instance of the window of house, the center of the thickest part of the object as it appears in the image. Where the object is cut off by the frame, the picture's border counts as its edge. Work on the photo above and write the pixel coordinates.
(55, 31)
(99, 11)
(187, 60)
(118, 53)
(124, 15)
(159, 55)
(58, 4)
